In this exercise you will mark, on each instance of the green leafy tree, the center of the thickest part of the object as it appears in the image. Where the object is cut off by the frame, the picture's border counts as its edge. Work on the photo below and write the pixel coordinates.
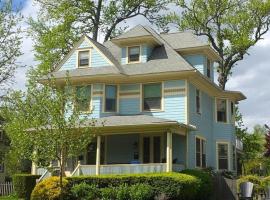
(231, 27)
(43, 126)
(61, 23)
(10, 42)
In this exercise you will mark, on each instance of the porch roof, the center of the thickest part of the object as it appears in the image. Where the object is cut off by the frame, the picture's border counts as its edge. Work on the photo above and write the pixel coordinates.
(136, 122)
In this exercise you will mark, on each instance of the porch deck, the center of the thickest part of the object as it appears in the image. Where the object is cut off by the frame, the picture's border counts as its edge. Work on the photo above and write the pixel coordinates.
(82, 170)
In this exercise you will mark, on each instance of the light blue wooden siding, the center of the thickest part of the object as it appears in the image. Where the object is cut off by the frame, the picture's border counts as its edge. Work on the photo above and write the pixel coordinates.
(203, 123)
(179, 148)
(207, 128)
(129, 105)
(97, 59)
(174, 83)
(197, 61)
(120, 148)
(146, 52)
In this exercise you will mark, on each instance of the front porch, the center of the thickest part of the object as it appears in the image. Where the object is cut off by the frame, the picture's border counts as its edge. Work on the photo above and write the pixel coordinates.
(133, 145)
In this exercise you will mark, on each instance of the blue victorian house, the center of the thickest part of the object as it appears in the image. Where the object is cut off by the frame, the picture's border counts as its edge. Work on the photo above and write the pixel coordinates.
(156, 99)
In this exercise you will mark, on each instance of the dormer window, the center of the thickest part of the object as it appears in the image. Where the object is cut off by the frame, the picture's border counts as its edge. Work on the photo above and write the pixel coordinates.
(133, 54)
(83, 58)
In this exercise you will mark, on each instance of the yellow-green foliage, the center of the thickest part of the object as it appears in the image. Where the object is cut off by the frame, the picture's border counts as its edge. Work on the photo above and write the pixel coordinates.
(256, 180)
(49, 189)
(266, 181)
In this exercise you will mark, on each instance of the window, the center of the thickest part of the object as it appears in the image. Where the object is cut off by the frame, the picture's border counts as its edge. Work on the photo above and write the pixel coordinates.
(232, 108)
(110, 98)
(223, 161)
(198, 101)
(83, 58)
(200, 153)
(221, 110)
(208, 68)
(83, 98)
(234, 157)
(133, 54)
(152, 96)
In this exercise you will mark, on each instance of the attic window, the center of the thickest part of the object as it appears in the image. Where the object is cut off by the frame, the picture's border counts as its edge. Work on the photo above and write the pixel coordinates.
(83, 58)
(133, 54)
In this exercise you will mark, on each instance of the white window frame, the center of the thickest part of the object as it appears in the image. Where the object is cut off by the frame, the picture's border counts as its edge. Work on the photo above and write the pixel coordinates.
(104, 99)
(200, 101)
(142, 97)
(227, 110)
(228, 153)
(90, 53)
(91, 98)
(201, 151)
(127, 54)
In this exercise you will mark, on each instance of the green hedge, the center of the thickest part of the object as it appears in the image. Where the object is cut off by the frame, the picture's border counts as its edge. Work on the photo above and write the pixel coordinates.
(172, 185)
(24, 184)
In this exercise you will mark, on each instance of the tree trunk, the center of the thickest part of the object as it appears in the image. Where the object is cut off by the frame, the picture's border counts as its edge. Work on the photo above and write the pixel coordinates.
(222, 80)
(97, 21)
(62, 174)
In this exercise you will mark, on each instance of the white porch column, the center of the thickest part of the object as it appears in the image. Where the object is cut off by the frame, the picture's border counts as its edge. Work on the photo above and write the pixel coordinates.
(34, 169)
(98, 155)
(169, 152)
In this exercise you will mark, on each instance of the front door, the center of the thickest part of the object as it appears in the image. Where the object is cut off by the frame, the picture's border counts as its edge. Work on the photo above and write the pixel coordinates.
(151, 149)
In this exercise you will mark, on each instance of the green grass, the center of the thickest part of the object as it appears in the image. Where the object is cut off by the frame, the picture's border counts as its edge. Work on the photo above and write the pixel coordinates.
(9, 198)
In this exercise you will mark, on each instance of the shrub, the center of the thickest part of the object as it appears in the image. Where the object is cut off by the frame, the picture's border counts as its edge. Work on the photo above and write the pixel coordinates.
(171, 185)
(84, 191)
(265, 181)
(256, 180)
(49, 189)
(205, 187)
(122, 192)
(108, 193)
(141, 192)
(24, 184)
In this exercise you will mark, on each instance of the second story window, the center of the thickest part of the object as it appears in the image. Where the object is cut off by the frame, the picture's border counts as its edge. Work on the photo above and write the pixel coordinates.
(208, 68)
(110, 98)
(83, 98)
(133, 54)
(152, 96)
(83, 58)
(200, 152)
(198, 101)
(221, 110)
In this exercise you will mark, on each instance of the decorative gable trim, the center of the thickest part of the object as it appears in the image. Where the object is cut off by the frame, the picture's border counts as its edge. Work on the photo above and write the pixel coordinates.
(76, 48)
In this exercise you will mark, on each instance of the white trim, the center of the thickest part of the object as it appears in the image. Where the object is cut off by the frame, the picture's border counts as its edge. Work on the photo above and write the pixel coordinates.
(95, 47)
(162, 97)
(89, 59)
(127, 54)
(104, 98)
(227, 111)
(186, 101)
(228, 152)
(201, 152)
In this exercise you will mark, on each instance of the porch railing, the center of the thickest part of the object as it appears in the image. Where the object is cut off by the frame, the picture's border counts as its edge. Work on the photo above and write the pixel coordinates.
(124, 169)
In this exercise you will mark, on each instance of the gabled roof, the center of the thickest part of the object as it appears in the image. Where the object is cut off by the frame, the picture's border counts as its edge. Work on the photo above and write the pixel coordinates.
(137, 31)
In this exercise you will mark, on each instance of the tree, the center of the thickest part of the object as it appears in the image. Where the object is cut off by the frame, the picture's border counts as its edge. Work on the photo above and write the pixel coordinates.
(231, 27)
(69, 19)
(43, 126)
(267, 142)
(10, 42)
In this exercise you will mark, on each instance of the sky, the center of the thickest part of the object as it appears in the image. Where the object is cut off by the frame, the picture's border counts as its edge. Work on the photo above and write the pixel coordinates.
(251, 76)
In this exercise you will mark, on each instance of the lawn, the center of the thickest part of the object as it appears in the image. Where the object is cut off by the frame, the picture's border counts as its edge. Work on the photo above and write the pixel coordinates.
(8, 198)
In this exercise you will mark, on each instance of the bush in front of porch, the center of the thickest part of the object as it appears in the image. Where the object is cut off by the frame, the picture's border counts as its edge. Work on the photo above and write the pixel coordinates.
(190, 185)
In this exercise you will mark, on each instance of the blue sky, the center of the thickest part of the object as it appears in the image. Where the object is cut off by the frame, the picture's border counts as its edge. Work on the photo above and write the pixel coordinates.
(250, 76)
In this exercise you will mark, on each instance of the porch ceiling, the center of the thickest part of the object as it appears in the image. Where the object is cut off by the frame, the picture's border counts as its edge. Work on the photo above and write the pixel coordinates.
(133, 123)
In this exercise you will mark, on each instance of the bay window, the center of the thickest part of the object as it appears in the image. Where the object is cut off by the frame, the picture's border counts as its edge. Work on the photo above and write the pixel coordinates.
(221, 106)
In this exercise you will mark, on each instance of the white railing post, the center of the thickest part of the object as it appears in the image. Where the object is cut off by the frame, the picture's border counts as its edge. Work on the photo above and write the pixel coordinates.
(169, 152)
(98, 155)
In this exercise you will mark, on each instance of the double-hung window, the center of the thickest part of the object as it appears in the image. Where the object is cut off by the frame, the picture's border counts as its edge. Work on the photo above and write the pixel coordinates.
(83, 58)
(83, 98)
(198, 101)
(133, 54)
(152, 96)
(221, 110)
(110, 98)
(200, 152)
(223, 156)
